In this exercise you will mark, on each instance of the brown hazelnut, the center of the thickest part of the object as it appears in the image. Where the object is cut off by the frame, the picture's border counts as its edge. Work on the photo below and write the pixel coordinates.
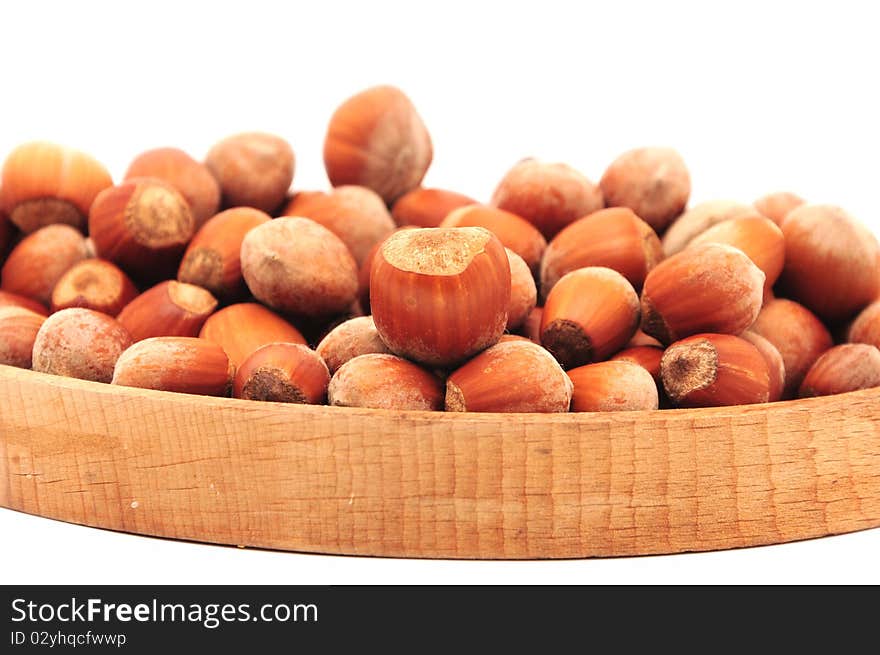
(18, 331)
(709, 287)
(653, 182)
(213, 258)
(798, 335)
(191, 178)
(614, 386)
(523, 292)
(614, 238)
(169, 309)
(80, 343)
(845, 368)
(590, 314)
(830, 262)
(356, 214)
(548, 195)
(44, 183)
(648, 357)
(380, 381)
(243, 328)
(350, 339)
(180, 364)
(143, 226)
(377, 139)
(296, 266)
(253, 169)
(440, 295)
(714, 370)
(94, 284)
(35, 265)
(283, 373)
(513, 376)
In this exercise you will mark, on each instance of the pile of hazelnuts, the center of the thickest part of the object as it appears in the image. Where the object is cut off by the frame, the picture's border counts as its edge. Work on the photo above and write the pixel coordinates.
(559, 295)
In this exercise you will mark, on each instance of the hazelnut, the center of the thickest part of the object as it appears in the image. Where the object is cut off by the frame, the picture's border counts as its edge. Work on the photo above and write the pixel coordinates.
(296, 266)
(841, 369)
(382, 381)
(613, 238)
(797, 334)
(614, 386)
(653, 182)
(35, 265)
(866, 327)
(590, 314)
(213, 257)
(648, 357)
(283, 373)
(775, 363)
(700, 218)
(758, 237)
(253, 169)
(80, 343)
(531, 327)
(181, 364)
(776, 206)
(831, 262)
(18, 331)
(427, 207)
(377, 139)
(523, 292)
(440, 295)
(513, 376)
(549, 196)
(714, 370)
(44, 183)
(8, 299)
(243, 328)
(512, 231)
(356, 214)
(143, 226)
(710, 287)
(94, 284)
(192, 179)
(169, 309)
(355, 337)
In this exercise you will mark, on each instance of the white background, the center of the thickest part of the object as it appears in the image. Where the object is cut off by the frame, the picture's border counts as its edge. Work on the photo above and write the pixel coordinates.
(758, 97)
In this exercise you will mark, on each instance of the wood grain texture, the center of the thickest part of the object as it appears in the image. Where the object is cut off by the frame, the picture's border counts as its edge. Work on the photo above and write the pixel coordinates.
(418, 484)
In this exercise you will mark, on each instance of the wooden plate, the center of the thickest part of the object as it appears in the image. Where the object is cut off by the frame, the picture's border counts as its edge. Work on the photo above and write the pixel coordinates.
(418, 484)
